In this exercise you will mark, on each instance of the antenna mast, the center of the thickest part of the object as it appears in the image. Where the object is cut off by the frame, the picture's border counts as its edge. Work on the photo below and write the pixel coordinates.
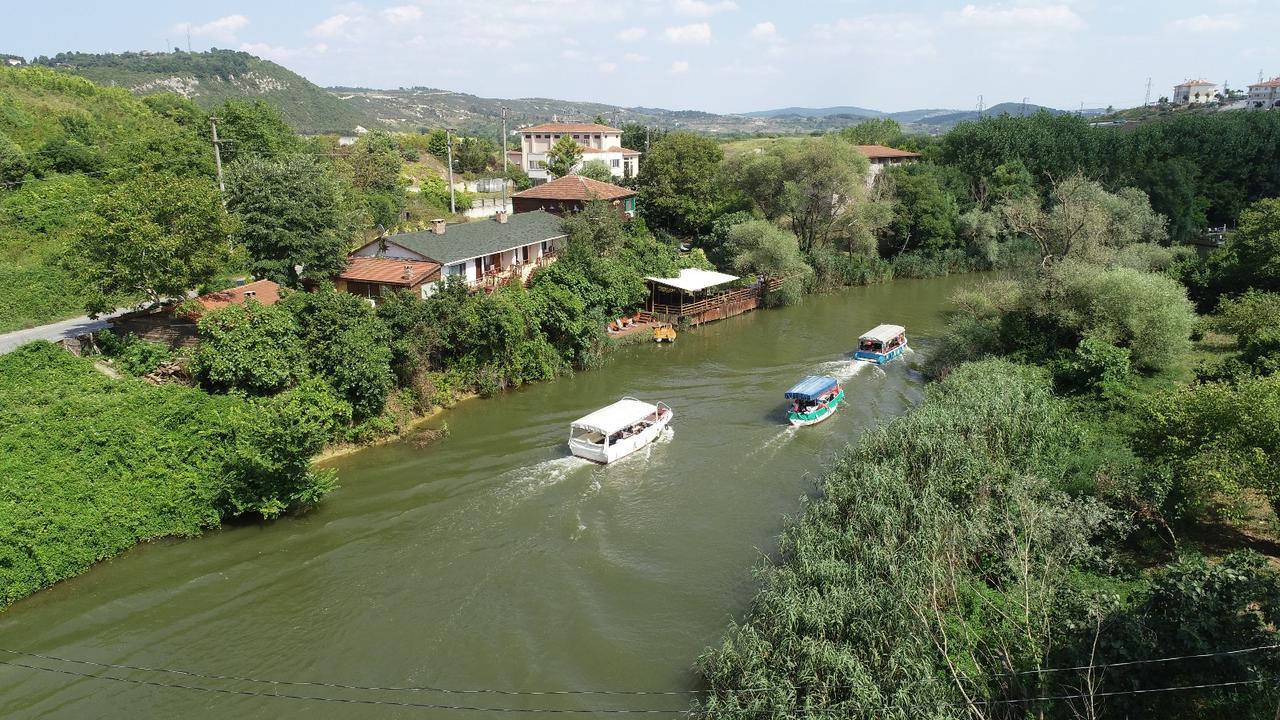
(1146, 101)
(980, 106)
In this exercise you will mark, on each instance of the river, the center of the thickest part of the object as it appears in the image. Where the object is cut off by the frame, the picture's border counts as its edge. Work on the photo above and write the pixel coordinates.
(491, 559)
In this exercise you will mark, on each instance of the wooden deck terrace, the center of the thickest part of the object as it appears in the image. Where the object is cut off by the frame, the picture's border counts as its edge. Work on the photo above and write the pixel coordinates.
(716, 307)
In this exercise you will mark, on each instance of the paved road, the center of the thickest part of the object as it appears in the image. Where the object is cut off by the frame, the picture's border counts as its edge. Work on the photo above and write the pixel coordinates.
(54, 332)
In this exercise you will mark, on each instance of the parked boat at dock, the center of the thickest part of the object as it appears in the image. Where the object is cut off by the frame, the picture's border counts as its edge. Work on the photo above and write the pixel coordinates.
(882, 344)
(615, 431)
(814, 399)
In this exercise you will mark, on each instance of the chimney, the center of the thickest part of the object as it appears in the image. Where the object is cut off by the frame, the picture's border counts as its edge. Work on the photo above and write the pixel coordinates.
(437, 226)
(502, 216)
(408, 273)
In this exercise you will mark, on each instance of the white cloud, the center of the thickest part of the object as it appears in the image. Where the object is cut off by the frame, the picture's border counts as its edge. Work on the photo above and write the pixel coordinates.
(402, 13)
(892, 36)
(224, 28)
(632, 34)
(522, 67)
(680, 66)
(695, 34)
(283, 54)
(571, 55)
(1206, 24)
(1055, 17)
(333, 26)
(764, 30)
(700, 8)
(608, 67)
(635, 58)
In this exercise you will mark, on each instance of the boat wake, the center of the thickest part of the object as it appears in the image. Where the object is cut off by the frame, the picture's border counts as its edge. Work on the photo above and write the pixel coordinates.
(525, 481)
(775, 443)
(845, 369)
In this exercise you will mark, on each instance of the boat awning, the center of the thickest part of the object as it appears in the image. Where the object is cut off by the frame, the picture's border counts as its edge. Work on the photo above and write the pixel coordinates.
(693, 279)
(610, 419)
(812, 387)
(883, 333)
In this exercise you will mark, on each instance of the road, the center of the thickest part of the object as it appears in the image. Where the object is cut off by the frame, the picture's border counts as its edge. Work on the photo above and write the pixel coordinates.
(53, 332)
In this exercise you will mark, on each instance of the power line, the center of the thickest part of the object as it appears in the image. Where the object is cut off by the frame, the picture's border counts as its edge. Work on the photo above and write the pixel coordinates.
(479, 691)
(352, 701)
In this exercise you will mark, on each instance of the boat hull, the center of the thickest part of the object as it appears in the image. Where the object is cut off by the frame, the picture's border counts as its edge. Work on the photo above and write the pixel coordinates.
(818, 415)
(880, 358)
(622, 448)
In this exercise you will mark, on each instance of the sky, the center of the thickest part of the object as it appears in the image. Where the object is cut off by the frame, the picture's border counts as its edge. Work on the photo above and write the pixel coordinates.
(713, 55)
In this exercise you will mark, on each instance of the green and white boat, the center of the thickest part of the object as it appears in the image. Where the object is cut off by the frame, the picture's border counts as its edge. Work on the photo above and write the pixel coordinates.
(814, 399)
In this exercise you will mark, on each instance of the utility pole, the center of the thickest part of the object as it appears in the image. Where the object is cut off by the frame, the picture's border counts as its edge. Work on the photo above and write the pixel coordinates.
(1024, 106)
(1146, 101)
(217, 155)
(504, 157)
(448, 136)
(188, 38)
(980, 106)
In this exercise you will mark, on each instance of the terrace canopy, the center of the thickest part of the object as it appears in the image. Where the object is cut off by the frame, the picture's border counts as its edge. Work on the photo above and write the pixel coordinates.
(612, 418)
(694, 280)
(812, 388)
(883, 333)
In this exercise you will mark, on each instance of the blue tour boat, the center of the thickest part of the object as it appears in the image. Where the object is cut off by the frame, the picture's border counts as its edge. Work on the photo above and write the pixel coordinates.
(814, 399)
(882, 344)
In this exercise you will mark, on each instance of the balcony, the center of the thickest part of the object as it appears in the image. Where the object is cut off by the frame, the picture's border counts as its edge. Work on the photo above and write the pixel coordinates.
(495, 276)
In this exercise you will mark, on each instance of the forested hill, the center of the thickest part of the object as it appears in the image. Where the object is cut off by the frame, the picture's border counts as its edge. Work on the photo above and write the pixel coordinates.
(209, 78)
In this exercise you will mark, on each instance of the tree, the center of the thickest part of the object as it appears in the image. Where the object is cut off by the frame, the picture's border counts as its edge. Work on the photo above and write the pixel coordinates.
(345, 343)
(249, 347)
(924, 215)
(1251, 257)
(375, 165)
(759, 247)
(876, 131)
(253, 128)
(1085, 221)
(291, 211)
(438, 144)
(13, 162)
(155, 236)
(679, 185)
(596, 170)
(563, 156)
(822, 185)
(474, 155)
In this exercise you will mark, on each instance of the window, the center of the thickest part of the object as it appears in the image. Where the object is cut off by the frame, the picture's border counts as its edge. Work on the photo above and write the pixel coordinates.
(615, 163)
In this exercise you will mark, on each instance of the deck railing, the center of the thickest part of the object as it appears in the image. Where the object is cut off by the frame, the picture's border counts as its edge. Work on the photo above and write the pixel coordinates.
(716, 301)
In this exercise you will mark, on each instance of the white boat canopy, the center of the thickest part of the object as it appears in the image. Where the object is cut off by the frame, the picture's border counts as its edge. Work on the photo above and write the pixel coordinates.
(693, 279)
(612, 418)
(883, 333)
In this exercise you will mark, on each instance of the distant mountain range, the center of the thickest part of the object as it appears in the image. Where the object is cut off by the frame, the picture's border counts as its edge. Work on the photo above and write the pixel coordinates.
(211, 77)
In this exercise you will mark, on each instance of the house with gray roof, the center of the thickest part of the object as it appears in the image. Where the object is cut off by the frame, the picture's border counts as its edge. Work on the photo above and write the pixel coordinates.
(486, 253)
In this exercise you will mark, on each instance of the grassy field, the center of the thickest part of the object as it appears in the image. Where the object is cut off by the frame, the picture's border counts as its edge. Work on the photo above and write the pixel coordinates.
(739, 147)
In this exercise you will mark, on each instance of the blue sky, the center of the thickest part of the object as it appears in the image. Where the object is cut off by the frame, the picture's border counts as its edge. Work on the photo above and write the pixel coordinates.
(715, 55)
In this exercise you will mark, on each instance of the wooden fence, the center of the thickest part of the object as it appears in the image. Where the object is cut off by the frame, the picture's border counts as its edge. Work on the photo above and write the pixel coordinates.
(716, 307)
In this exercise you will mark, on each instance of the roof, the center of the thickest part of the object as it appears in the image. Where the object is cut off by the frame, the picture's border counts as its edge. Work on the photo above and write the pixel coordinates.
(625, 151)
(883, 333)
(612, 418)
(1273, 82)
(575, 187)
(883, 151)
(388, 271)
(572, 128)
(693, 279)
(812, 387)
(463, 241)
(1195, 83)
(265, 292)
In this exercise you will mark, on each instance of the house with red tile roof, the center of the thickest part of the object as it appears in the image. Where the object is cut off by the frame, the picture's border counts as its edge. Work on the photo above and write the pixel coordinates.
(571, 194)
(598, 142)
(373, 277)
(1190, 92)
(882, 156)
(175, 324)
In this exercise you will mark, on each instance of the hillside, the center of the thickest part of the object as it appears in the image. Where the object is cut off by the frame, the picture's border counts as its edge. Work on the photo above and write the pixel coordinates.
(209, 78)
(816, 112)
(65, 140)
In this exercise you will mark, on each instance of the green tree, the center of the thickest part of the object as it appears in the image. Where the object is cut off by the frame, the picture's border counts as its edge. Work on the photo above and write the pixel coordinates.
(249, 347)
(13, 162)
(156, 237)
(596, 170)
(679, 184)
(253, 128)
(877, 131)
(345, 343)
(292, 211)
(563, 155)
(760, 248)
(375, 166)
(438, 144)
(1251, 258)
(924, 214)
(474, 155)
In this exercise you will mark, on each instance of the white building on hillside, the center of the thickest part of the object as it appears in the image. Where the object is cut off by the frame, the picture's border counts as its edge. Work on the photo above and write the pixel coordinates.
(598, 142)
(1265, 94)
(1194, 91)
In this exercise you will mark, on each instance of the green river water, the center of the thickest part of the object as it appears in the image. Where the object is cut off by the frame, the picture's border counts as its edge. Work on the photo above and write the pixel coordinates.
(491, 559)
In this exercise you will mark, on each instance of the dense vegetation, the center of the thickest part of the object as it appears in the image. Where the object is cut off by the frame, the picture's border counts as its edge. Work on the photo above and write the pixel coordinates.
(1072, 492)
(213, 77)
(92, 465)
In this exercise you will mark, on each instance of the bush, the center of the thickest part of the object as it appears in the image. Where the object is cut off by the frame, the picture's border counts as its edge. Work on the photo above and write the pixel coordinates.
(135, 356)
(249, 347)
(344, 342)
(1093, 367)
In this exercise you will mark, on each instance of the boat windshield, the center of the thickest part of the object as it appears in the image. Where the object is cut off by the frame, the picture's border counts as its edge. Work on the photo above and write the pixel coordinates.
(587, 435)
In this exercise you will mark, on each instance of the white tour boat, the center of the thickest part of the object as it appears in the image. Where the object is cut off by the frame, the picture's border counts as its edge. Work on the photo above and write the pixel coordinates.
(616, 431)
